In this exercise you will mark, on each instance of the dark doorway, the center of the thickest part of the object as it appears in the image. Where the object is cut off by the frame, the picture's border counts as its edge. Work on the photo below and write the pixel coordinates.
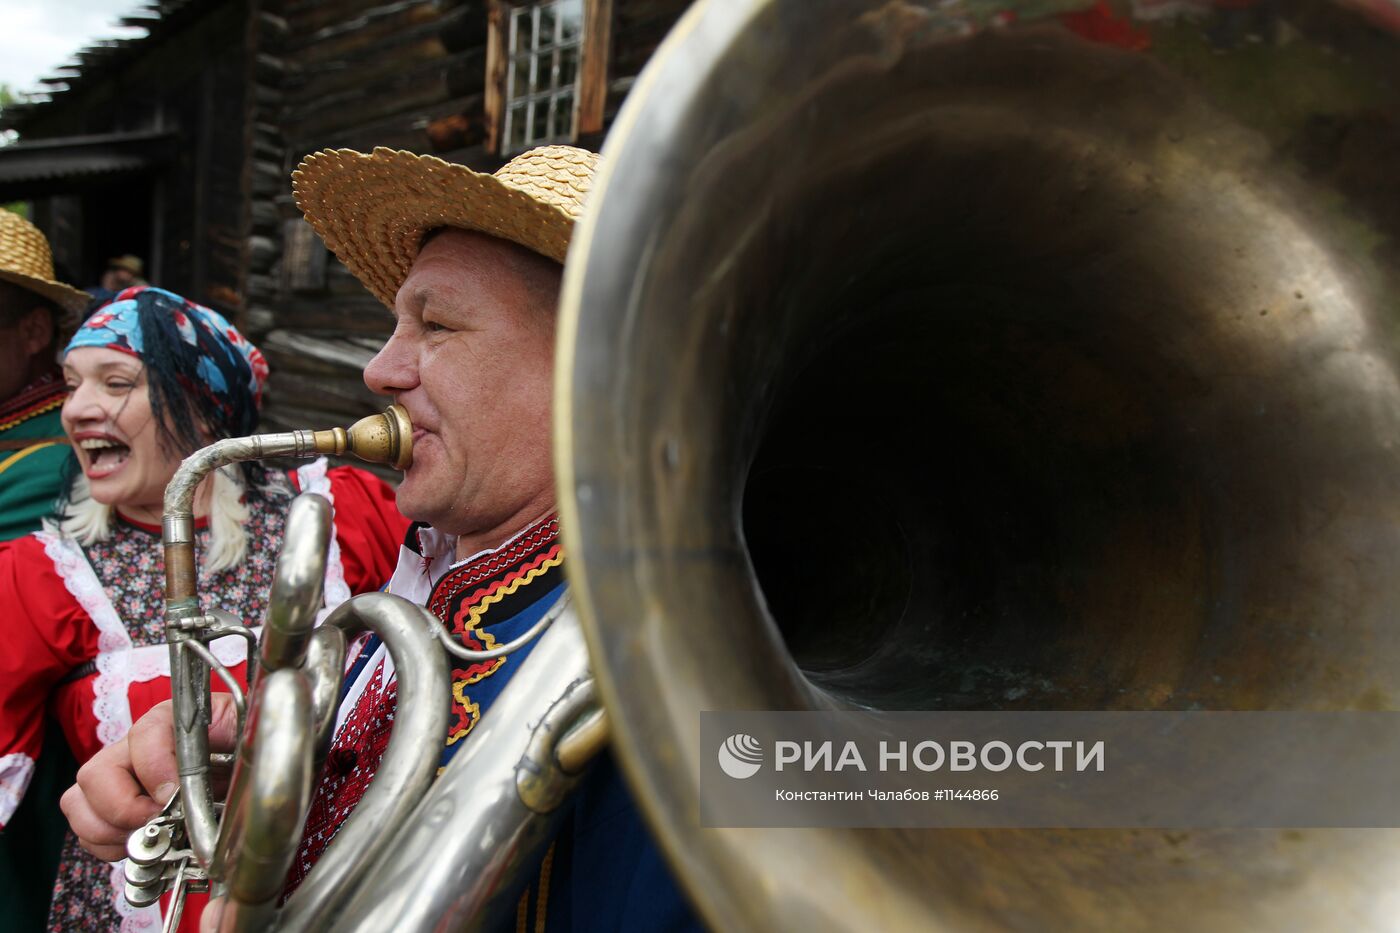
(117, 220)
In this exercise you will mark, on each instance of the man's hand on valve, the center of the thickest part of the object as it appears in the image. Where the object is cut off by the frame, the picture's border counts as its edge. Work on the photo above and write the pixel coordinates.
(128, 782)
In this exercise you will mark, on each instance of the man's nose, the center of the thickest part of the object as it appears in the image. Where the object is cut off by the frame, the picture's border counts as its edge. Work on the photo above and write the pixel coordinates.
(394, 369)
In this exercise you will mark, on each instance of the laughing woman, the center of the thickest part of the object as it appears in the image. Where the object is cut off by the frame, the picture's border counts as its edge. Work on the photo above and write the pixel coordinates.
(152, 378)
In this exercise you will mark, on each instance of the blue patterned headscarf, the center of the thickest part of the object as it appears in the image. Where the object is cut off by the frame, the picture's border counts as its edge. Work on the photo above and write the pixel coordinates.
(186, 348)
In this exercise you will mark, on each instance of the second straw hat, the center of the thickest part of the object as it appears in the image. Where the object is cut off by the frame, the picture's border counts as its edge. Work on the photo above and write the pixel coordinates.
(373, 210)
(26, 261)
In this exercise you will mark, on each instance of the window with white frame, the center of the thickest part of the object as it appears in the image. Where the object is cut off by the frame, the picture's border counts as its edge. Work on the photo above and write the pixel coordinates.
(543, 44)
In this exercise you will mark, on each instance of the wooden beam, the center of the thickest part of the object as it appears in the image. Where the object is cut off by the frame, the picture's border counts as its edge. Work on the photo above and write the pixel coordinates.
(592, 95)
(496, 61)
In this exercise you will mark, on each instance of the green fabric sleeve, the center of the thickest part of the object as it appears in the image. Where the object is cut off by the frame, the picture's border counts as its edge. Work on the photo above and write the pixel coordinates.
(28, 488)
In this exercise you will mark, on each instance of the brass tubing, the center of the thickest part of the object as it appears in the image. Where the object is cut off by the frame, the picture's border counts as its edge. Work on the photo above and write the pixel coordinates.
(943, 363)
(382, 438)
(297, 586)
(274, 797)
(579, 746)
(179, 572)
(407, 768)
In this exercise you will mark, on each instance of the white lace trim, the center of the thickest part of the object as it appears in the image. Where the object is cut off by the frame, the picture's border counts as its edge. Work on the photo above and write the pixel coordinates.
(313, 478)
(109, 703)
(15, 772)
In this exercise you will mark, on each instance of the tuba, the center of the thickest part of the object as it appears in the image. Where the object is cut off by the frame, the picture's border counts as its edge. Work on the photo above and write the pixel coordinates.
(243, 848)
(929, 355)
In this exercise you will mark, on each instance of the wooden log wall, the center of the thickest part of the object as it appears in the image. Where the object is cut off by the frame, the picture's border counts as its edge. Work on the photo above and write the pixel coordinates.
(202, 238)
(189, 78)
(264, 174)
(408, 74)
(347, 74)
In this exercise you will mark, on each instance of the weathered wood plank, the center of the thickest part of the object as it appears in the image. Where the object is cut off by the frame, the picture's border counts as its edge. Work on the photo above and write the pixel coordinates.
(406, 106)
(367, 31)
(262, 253)
(359, 315)
(265, 214)
(398, 75)
(313, 14)
(406, 130)
(346, 395)
(318, 352)
(496, 61)
(309, 16)
(593, 65)
(466, 28)
(343, 75)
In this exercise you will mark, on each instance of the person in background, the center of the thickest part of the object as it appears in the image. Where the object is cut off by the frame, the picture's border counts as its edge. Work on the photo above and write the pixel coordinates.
(151, 378)
(122, 272)
(35, 310)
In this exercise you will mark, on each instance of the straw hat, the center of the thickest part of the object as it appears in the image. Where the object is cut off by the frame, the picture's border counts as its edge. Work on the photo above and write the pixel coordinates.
(127, 263)
(25, 260)
(372, 210)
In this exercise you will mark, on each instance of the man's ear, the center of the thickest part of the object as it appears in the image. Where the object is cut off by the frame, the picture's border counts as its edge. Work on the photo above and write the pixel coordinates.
(36, 330)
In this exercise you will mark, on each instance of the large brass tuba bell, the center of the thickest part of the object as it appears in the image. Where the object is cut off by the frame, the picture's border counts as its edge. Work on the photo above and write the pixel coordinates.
(945, 356)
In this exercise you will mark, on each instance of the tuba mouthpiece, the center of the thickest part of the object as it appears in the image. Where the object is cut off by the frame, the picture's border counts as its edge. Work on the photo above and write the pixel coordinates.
(383, 438)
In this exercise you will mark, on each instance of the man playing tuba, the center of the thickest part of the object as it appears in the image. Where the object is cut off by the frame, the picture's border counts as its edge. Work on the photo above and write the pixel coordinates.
(470, 265)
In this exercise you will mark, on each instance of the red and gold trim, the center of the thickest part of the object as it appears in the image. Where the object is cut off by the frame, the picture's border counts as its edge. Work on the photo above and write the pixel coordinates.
(43, 395)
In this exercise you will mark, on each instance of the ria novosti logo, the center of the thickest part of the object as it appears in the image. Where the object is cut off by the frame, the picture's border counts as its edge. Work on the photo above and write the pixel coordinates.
(741, 756)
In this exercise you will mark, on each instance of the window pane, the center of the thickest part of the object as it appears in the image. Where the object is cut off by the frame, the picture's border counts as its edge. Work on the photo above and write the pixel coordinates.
(520, 74)
(570, 15)
(564, 116)
(515, 135)
(545, 12)
(521, 26)
(548, 108)
(549, 71)
(539, 119)
(568, 67)
(543, 46)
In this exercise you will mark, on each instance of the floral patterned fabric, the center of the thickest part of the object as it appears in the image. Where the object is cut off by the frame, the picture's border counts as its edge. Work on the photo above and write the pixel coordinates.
(131, 566)
(82, 898)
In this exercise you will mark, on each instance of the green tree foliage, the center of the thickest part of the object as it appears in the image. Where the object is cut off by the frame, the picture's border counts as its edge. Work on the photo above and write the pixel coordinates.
(8, 97)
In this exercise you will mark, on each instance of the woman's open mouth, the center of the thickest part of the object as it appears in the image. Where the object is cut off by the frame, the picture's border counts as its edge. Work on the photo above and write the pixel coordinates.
(104, 456)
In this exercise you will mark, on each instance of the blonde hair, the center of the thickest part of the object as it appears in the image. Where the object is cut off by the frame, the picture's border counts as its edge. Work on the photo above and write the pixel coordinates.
(88, 521)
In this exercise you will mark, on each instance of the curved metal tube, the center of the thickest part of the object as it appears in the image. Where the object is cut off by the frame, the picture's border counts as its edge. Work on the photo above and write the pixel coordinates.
(1131, 301)
(459, 650)
(325, 665)
(383, 438)
(292, 604)
(276, 766)
(297, 588)
(410, 762)
(457, 861)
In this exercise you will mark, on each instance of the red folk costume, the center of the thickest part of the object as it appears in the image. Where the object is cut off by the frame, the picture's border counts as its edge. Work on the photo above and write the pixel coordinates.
(83, 622)
(85, 636)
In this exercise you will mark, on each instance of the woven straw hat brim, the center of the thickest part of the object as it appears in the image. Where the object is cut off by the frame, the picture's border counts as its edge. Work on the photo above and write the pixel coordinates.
(373, 210)
(70, 299)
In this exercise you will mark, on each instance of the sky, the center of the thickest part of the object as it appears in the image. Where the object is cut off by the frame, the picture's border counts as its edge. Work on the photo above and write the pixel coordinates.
(36, 36)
